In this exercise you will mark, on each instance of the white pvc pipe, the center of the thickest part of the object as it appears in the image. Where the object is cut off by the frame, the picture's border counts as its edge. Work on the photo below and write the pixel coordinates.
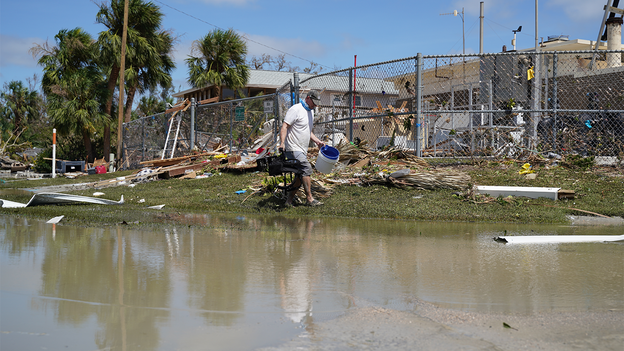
(551, 239)
(54, 153)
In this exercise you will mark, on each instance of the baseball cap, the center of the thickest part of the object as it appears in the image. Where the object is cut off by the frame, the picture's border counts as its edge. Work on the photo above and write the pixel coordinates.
(315, 96)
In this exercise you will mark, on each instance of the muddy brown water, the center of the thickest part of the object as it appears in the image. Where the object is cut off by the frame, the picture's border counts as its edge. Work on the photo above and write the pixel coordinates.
(243, 282)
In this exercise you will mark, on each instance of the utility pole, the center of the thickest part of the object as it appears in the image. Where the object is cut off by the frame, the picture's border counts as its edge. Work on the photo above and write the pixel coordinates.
(122, 70)
(481, 28)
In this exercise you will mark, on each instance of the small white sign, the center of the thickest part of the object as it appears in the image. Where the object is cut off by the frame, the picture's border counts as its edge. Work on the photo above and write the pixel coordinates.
(268, 106)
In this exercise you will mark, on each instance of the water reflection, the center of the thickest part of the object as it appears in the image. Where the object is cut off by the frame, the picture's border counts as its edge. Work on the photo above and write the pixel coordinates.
(244, 282)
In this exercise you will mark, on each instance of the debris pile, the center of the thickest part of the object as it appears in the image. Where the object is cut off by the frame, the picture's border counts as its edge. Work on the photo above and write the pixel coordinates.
(7, 163)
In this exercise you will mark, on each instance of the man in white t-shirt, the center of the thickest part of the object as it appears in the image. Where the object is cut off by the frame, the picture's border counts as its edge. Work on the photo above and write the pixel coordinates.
(295, 135)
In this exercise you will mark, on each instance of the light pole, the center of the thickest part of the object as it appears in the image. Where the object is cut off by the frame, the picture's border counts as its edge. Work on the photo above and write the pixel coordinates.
(463, 30)
(455, 13)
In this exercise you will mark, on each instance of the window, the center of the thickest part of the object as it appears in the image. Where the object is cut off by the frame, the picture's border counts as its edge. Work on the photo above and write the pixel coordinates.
(358, 100)
(339, 101)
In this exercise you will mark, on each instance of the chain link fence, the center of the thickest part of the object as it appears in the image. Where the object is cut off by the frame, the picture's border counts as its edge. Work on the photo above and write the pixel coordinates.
(488, 105)
(497, 105)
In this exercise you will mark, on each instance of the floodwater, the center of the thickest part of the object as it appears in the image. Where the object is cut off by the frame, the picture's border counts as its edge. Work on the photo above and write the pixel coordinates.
(242, 283)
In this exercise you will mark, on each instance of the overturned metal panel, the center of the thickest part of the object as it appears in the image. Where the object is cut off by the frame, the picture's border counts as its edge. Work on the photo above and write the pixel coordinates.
(59, 199)
(552, 239)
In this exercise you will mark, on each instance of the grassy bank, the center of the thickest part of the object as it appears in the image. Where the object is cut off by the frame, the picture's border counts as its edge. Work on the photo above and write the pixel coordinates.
(599, 190)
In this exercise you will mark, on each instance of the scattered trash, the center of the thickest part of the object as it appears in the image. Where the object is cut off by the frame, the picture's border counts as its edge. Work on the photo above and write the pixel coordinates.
(505, 325)
(141, 201)
(399, 174)
(59, 199)
(157, 207)
(526, 168)
(205, 175)
(98, 193)
(55, 219)
(240, 191)
(554, 155)
(143, 174)
(417, 197)
(131, 185)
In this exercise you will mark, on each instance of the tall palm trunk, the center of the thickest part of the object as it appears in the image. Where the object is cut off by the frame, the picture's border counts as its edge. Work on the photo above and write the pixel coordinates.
(129, 101)
(88, 146)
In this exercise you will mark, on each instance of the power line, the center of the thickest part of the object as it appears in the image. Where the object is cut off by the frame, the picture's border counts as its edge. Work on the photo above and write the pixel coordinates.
(244, 36)
(511, 29)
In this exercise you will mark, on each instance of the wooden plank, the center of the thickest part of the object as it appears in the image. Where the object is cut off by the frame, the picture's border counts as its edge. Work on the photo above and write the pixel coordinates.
(179, 107)
(181, 170)
(209, 101)
(361, 163)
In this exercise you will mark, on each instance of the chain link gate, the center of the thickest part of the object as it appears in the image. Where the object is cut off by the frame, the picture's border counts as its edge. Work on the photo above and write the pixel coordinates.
(235, 124)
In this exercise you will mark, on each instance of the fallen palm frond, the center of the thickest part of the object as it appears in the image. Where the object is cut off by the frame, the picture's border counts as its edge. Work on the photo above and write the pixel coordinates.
(319, 190)
(424, 180)
(403, 155)
(349, 151)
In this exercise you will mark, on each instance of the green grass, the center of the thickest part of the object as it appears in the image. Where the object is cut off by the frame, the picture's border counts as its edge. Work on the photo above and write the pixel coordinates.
(597, 190)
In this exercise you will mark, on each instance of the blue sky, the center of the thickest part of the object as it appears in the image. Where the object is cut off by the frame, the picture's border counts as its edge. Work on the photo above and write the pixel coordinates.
(329, 33)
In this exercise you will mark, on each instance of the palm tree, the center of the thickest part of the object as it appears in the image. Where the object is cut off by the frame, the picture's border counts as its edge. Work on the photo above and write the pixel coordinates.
(73, 84)
(146, 72)
(20, 104)
(155, 102)
(219, 60)
(144, 21)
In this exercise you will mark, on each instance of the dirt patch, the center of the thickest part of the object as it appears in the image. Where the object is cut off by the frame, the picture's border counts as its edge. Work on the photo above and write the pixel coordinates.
(431, 328)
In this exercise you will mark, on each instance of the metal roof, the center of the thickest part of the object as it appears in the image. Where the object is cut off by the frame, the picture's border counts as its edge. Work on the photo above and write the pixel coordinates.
(276, 79)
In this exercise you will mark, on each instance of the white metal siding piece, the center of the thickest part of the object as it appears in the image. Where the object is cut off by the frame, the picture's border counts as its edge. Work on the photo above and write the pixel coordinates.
(532, 192)
(550, 239)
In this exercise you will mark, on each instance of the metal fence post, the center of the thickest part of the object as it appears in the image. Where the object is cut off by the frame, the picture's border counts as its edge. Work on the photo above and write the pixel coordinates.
(535, 101)
(351, 107)
(491, 116)
(121, 157)
(296, 88)
(419, 86)
(232, 111)
(555, 100)
(470, 115)
(142, 139)
(276, 119)
(192, 145)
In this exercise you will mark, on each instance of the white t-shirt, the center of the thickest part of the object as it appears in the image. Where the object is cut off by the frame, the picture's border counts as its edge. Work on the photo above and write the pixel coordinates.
(300, 121)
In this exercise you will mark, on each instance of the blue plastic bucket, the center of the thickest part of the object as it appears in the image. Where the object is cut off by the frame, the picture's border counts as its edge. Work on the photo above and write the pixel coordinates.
(327, 158)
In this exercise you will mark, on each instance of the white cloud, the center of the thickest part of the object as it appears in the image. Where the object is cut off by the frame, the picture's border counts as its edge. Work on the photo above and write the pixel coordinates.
(14, 51)
(579, 10)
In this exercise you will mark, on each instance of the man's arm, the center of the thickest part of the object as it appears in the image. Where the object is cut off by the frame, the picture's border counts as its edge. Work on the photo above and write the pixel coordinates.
(282, 134)
(316, 140)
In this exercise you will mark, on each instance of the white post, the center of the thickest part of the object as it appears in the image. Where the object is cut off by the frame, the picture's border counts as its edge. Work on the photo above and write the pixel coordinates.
(614, 41)
(54, 153)
(111, 167)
